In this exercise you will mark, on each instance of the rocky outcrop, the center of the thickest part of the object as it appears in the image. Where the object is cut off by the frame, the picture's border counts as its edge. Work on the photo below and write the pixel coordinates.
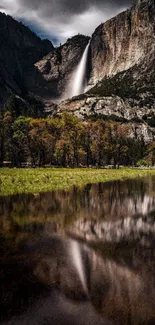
(20, 48)
(108, 106)
(57, 67)
(112, 108)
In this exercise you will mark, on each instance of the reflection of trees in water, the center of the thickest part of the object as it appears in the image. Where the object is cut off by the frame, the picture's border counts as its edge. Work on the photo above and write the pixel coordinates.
(122, 199)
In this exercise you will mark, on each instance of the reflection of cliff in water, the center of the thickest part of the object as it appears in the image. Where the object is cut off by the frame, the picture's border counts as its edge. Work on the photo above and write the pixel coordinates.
(109, 201)
(45, 279)
(41, 274)
(137, 230)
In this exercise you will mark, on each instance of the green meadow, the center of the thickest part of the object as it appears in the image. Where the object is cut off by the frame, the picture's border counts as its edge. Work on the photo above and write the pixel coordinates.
(13, 181)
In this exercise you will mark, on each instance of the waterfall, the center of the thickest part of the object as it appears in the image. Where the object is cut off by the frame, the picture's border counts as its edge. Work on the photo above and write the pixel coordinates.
(77, 84)
(78, 80)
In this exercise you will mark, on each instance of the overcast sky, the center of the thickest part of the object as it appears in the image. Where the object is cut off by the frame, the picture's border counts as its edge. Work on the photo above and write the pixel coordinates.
(60, 19)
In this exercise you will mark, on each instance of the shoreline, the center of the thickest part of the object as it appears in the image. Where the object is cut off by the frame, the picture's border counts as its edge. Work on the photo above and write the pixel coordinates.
(19, 181)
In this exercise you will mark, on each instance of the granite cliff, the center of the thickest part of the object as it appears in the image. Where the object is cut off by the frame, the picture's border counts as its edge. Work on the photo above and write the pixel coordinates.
(124, 41)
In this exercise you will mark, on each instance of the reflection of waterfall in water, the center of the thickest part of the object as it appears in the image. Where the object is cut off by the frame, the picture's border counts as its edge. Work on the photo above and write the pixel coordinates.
(78, 84)
(78, 263)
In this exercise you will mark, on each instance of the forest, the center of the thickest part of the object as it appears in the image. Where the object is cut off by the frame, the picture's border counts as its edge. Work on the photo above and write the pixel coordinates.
(28, 138)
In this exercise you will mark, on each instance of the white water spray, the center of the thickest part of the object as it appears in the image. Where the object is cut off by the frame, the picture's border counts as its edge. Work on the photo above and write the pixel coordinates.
(77, 84)
(77, 260)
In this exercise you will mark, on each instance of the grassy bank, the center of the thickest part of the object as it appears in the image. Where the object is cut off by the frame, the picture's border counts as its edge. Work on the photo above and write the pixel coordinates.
(13, 181)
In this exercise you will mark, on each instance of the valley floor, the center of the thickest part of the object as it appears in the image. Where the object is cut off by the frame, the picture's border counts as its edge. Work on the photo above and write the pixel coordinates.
(14, 181)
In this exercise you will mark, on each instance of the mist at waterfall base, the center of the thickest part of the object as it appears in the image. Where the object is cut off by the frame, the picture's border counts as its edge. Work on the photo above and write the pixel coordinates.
(78, 82)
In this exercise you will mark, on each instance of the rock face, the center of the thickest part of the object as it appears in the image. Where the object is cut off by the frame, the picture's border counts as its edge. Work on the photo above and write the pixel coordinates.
(123, 41)
(20, 48)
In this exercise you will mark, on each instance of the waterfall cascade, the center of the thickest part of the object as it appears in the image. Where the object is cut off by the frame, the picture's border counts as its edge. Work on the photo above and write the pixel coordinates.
(78, 82)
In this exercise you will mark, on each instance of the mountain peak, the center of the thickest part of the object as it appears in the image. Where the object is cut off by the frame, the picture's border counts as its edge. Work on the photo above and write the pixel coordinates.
(20, 48)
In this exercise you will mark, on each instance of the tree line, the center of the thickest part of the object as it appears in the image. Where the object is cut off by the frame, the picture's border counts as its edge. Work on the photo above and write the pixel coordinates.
(68, 142)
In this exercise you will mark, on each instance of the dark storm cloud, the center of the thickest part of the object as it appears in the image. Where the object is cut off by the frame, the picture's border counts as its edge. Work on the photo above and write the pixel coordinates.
(51, 7)
(60, 19)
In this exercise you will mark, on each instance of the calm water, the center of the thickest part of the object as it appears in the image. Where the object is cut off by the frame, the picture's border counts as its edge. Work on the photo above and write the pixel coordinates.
(81, 257)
